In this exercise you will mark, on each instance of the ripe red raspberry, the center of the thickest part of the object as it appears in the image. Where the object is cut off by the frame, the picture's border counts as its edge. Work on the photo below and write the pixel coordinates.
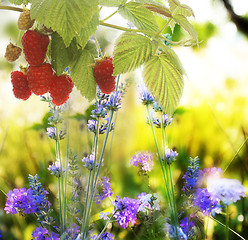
(20, 85)
(39, 78)
(12, 52)
(103, 71)
(24, 20)
(34, 47)
(60, 89)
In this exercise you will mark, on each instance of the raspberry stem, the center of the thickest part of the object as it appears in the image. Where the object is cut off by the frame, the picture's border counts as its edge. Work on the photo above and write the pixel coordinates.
(11, 8)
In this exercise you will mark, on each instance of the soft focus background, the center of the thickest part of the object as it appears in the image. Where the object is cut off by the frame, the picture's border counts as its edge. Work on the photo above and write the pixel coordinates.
(211, 121)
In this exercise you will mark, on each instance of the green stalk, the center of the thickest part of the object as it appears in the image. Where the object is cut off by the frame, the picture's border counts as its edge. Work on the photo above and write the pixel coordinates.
(111, 15)
(61, 187)
(11, 8)
(66, 173)
(165, 176)
(227, 224)
(223, 225)
(109, 220)
(60, 203)
(90, 182)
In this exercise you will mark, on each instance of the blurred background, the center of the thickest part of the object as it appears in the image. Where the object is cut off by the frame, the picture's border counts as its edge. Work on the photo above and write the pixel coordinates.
(211, 121)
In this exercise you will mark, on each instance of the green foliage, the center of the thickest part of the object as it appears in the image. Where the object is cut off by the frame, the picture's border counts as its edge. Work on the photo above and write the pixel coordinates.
(141, 17)
(159, 9)
(131, 51)
(164, 80)
(112, 3)
(61, 55)
(65, 17)
(86, 32)
(20, 2)
(82, 73)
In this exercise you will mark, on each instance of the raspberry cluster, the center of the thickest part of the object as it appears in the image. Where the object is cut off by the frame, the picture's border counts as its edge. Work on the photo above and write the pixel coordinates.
(103, 73)
(39, 77)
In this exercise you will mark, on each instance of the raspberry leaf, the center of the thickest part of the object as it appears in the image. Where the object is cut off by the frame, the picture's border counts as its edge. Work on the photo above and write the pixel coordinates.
(82, 74)
(112, 3)
(60, 54)
(65, 17)
(131, 51)
(86, 32)
(141, 17)
(186, 25)
(165, 81)
(20, 2)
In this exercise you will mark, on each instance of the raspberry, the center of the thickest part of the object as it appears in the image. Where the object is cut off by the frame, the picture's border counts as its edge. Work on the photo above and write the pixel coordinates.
(12, 52)
(103, 71)
(39, 78)
(24, 20)
(34, 47)
(20, 85)
(60, 89)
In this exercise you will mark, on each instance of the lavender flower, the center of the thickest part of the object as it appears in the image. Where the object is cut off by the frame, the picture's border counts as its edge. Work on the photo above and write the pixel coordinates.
(170, 155)
(72, 232)
(43, 234)
(55, 169)
(166, 121)
(21, 201)
(89, 162)
(103, 190)
(187, 225)
(104, 236)
(51, 133)
(125, 211)
(104, 215)
(157, 107)
(191, 177)
(174, 233)
(114, 101)
(145, 97)
(99, 112)
(143, 160)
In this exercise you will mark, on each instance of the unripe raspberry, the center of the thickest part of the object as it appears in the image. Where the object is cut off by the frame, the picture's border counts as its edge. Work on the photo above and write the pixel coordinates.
(103, 71)
(24, 20)
(12, 52)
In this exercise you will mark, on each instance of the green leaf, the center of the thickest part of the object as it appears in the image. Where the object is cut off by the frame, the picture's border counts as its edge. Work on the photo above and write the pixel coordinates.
(112, 3)
(141, 17)
(82, 73)
(183, 22)
(131, 51)
(63, 16)
(164, 81)
(86, 32)
(20, 2)
(60, 54)
(173, 58)
(182, 9)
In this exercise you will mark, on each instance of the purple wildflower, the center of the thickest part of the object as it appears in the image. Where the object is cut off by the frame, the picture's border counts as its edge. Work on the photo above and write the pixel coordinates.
(73, 232)
(43, 234)
(103, 190)
(143, 160)
(165, 119)
(51, 133)
(98, 112)
(104, 236)
(191, 177)
(104, 215)
(204, 201)
(187, 224)
(125, 211)
(174, 233)
(21, 201)
(148, 202)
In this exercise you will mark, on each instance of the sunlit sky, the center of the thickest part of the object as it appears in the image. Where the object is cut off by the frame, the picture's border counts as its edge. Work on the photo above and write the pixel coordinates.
(226, 55)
